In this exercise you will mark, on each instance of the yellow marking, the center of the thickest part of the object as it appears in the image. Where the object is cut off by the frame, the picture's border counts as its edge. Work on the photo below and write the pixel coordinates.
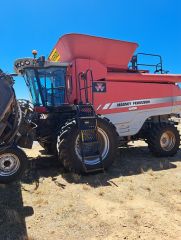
(54, 56)
(82, 136)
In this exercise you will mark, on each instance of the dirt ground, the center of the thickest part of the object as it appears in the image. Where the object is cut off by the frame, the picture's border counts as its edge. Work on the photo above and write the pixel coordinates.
(138, 198)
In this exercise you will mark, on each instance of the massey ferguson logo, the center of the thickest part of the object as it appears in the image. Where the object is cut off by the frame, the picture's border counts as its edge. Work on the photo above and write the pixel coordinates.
(99, 87)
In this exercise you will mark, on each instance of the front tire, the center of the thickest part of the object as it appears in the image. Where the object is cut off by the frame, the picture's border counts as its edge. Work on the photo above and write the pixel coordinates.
(13, 163)
(164, 140)
(69, 152)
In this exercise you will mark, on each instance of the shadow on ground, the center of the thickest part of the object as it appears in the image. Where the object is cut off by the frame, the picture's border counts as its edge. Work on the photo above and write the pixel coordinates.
(13, 213)
(130, 161)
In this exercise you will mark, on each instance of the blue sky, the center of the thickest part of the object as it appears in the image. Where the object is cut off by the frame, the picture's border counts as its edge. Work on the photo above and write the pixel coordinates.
(37, 24)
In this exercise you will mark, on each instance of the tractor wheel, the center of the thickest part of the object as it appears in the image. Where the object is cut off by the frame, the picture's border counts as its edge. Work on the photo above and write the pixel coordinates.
(69, 150)
(13, 163)
(164, 140)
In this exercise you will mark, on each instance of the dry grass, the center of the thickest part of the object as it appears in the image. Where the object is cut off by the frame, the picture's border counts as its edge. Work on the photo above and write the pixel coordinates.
(101, 192)
(30, 238)
(86, 187)
(136, 199)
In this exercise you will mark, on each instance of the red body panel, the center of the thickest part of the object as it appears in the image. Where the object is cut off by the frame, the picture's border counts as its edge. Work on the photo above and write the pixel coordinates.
(132, 91)
(99, 54)
(144, 77)
(124, 86)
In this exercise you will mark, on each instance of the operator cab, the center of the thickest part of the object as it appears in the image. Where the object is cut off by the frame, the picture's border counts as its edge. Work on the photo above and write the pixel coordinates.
(45, 80)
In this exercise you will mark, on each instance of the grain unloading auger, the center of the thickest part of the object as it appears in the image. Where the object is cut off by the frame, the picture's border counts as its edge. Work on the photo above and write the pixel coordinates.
(88, 99)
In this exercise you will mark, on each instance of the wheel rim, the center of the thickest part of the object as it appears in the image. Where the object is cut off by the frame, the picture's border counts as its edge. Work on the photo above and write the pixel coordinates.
(104, 148)
(9, 164)
(167, 140)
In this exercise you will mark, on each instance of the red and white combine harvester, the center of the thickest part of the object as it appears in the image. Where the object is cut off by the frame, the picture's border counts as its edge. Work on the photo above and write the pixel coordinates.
(91, 95)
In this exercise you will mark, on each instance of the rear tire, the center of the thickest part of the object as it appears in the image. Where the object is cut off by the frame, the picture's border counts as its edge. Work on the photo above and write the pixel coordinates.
(69, 150)
(13, 163)
(164, 140)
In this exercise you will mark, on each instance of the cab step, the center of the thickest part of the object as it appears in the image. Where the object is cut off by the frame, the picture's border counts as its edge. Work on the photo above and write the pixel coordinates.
(87, 124)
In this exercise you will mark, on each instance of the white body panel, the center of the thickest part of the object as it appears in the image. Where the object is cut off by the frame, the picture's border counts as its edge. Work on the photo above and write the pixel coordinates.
(129, 123)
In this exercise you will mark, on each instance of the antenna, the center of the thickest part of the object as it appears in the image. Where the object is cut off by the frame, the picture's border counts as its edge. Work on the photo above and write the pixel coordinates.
(34, 52)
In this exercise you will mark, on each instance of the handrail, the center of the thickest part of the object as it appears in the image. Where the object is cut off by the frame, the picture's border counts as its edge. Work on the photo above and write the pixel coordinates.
(84, 76)
(158, 66)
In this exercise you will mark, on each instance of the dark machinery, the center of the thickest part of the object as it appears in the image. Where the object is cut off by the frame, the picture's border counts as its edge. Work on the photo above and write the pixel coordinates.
(15, 130)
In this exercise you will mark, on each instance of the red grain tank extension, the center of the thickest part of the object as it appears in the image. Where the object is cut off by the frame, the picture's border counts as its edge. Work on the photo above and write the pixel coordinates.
(111, 53)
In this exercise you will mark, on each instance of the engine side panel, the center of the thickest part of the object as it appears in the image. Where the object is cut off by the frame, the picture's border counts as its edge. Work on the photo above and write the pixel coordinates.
(129, 123)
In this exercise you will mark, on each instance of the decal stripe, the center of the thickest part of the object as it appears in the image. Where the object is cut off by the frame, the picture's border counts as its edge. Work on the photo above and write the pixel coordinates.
(106, 106)
(140, 102)
(98, 107)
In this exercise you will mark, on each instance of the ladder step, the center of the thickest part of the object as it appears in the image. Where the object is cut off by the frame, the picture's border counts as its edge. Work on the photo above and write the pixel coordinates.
(86, 128)
(91, 156)
(90, 153)
(87, 124)
(88, 117)
(90, 142)
(94, 170)
(86, 111)
(89, 139)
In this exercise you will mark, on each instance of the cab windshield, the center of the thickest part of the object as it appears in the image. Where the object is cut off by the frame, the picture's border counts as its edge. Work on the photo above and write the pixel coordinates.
(46, 85)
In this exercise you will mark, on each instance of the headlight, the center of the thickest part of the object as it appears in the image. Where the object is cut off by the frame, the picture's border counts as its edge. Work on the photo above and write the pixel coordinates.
(27, 62)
